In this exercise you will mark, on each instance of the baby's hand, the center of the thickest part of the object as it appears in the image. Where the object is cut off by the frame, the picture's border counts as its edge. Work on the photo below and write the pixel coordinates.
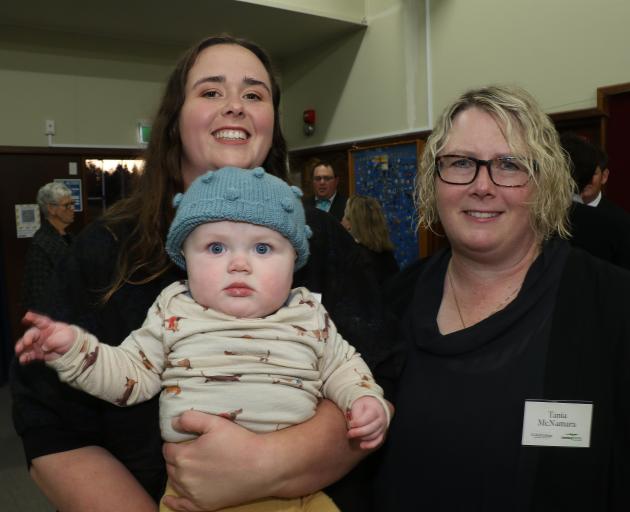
(367, 421)
(46, 340)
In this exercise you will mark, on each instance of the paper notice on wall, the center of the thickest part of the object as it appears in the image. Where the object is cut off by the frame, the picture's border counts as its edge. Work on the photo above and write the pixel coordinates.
(26, 220)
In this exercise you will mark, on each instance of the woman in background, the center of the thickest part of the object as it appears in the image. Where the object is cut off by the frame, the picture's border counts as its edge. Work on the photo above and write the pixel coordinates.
(365, 221)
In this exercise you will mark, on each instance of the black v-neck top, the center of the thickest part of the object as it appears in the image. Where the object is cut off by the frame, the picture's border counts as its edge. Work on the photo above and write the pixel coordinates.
(460, 399)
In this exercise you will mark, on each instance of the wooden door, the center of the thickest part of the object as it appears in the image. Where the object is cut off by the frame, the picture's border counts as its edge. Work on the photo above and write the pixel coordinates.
(617, 139)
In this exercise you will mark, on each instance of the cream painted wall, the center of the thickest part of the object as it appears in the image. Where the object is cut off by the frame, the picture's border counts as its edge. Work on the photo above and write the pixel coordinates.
(374, 84)
(87, 109)
(559, 50)
(370, 84)
(348, 10)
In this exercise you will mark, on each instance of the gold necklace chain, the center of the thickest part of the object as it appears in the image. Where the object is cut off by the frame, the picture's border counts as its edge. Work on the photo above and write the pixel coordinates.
(459, 311)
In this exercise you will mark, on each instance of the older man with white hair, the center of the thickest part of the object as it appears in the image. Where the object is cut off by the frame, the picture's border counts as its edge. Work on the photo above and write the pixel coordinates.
(50, 243)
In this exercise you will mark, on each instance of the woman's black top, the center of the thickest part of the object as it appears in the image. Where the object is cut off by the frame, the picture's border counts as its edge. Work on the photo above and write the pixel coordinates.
(455, 440)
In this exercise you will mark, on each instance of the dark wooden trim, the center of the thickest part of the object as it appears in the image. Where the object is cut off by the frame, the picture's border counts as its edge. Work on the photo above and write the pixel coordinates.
(604, 92)
(396, 142)
(590, 120)
(390, 140)
(603, 95)
(79, 151)
(587, 113)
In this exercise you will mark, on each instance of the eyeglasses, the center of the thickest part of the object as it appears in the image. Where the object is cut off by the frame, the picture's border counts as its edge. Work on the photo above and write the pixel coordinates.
(67, 206)
(506, 171)
(323, 178)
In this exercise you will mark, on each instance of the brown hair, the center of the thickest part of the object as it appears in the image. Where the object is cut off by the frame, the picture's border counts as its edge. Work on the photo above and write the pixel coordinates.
(368, 224)
(316, 162)
(142, 257)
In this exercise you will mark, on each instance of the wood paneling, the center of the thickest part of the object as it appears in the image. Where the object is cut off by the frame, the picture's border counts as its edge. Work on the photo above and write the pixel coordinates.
(24, 171)
(588, 123)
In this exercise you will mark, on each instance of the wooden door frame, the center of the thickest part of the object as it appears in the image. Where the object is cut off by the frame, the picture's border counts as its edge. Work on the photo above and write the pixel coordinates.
(603, 104)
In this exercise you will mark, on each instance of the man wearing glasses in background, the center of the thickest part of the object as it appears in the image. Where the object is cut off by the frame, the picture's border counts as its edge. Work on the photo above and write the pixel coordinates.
(326, 197)
(50, 243)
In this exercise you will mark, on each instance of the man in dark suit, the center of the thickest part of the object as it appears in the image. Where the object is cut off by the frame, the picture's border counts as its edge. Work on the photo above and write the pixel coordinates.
(326, 197)
(598, 230)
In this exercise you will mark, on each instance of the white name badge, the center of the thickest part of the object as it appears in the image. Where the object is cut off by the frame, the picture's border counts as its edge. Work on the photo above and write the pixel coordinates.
(557, 423)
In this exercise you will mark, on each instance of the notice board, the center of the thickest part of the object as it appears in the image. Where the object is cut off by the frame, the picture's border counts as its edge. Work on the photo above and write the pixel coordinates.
(387, 173)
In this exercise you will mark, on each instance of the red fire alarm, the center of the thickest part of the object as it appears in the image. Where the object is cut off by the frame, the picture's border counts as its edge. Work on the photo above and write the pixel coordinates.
(309, 116)
(309, 121)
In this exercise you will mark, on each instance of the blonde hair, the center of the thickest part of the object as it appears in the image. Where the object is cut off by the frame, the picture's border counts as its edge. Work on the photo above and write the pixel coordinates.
(368, 224)
(530, 133)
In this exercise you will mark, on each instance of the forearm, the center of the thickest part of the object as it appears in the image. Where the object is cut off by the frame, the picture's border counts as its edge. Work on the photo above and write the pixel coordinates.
(113, 374)
(229, 465)
(324, 454)
(352, 380)
(346, 376)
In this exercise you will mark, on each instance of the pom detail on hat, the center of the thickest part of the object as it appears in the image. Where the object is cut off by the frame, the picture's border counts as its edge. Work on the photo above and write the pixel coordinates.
(287, 204)
(177, 199)
(240, 195)
(232, 194)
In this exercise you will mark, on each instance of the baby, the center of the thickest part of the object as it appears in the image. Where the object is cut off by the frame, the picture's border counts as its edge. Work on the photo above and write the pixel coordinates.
(233, 339)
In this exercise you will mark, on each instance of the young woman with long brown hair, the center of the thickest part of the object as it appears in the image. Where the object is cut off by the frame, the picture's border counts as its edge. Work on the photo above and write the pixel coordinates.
(220, 108)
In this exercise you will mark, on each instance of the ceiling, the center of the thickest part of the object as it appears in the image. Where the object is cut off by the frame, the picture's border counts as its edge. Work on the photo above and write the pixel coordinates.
(162, 29)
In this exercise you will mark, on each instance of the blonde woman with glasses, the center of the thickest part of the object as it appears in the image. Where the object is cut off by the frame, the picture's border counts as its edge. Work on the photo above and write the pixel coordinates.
(513, 390)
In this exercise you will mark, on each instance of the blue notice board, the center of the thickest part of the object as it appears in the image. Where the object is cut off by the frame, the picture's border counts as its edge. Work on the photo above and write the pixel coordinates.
(387, 173)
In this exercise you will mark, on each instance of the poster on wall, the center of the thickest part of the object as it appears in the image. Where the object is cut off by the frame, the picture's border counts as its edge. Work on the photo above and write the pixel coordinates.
(26, 220)
(387, 173)
(74, 185)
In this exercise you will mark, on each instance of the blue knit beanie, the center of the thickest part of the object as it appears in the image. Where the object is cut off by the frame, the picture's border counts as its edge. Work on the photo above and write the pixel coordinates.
(240, 195)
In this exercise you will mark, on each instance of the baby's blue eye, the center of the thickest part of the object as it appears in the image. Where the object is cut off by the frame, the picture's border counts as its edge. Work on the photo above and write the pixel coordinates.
(262, 248)
(216, 248)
